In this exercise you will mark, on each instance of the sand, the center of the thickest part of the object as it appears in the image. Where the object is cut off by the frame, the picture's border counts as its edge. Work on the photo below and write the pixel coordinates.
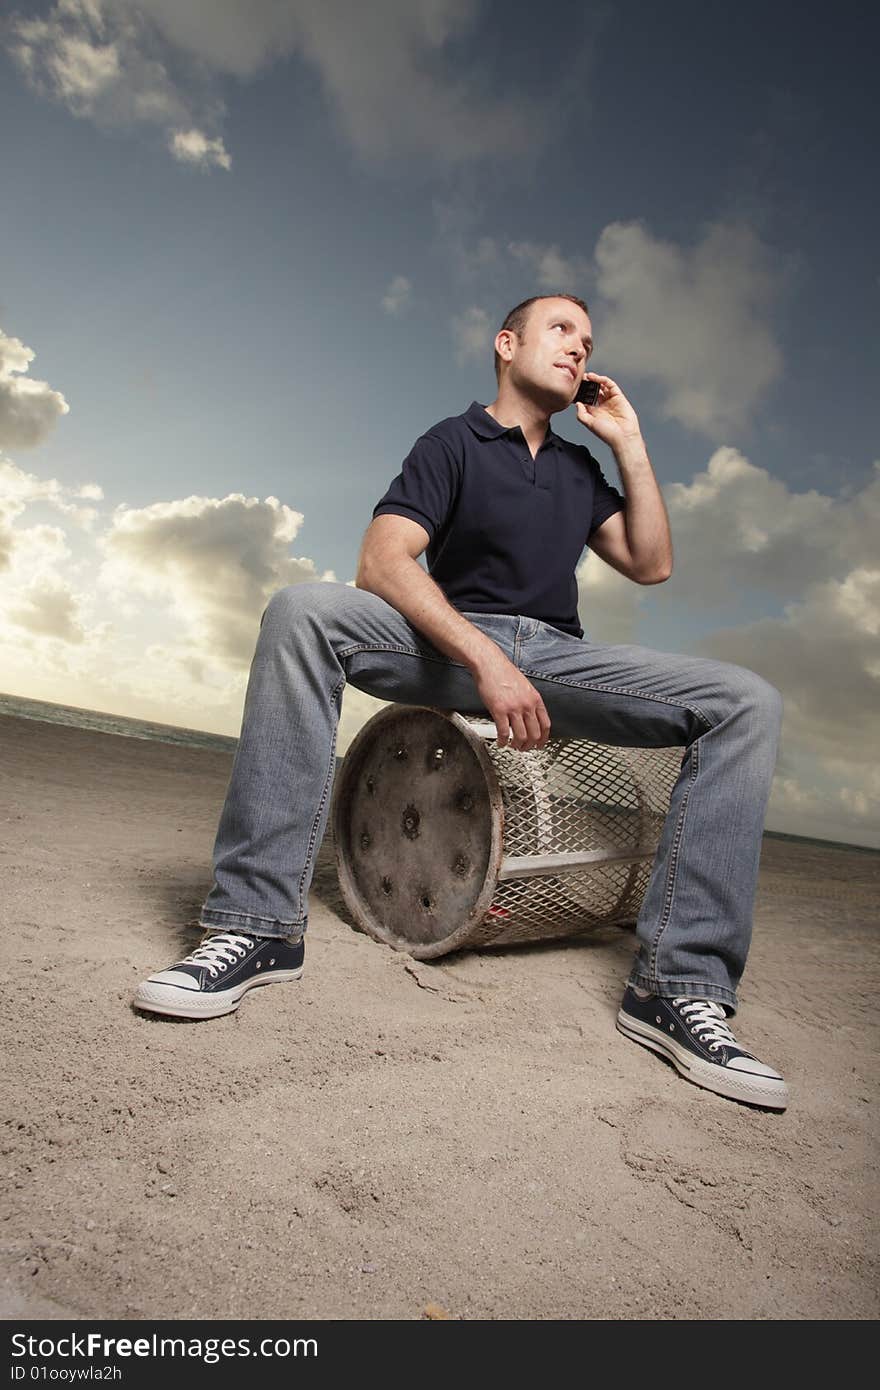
(387, 1136)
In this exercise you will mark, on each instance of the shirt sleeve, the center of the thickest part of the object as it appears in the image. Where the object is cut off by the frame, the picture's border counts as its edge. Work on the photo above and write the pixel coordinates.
(426, 488)
(606, 499)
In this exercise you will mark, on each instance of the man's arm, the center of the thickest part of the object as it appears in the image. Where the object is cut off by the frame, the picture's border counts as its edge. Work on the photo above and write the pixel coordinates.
(636, 541)
(388, 566)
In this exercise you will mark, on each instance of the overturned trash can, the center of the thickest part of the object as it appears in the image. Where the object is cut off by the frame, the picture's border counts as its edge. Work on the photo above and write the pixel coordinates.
(445, 841)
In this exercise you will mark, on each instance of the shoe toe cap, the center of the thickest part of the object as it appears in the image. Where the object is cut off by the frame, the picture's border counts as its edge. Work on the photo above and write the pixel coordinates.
(752, 1067)
(177, 978)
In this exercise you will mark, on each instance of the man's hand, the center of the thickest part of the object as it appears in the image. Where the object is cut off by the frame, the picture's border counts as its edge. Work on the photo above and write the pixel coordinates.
(517, 709)
(612, 418)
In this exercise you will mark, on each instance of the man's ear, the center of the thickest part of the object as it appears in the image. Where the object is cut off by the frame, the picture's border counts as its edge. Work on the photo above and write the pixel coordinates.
(504, 344)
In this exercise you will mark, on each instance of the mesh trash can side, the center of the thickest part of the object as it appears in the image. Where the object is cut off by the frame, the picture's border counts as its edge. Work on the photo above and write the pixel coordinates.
(445, 841)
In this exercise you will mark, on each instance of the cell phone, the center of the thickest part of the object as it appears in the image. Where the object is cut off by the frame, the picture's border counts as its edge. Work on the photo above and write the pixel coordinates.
(588, 392)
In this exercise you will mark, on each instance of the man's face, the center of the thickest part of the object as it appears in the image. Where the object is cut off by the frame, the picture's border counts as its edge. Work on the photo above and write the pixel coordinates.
(549, 362)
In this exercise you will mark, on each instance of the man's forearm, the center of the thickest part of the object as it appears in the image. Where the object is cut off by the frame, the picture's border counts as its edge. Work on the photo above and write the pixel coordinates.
(647, 521)
(401, 581)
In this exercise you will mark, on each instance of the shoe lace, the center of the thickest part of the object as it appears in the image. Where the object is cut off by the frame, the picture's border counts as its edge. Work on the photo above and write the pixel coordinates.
(219, 950)
(701, 1016)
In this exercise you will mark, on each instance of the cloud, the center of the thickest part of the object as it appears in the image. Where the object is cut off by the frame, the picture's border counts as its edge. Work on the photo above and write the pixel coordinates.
(742, 536)
(50, 608)
(194, 147)
(28, 408)
(214, 561)
(397, 296)
(472, 335)
(104, 61)
(396, 74)
(824, 656)
(549, 268)
(19, 490)
(156, 615)
(737, 529)
(695, 320)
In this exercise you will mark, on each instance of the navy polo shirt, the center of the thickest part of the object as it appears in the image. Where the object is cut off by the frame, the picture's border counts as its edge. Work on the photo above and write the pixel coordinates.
(506, 530)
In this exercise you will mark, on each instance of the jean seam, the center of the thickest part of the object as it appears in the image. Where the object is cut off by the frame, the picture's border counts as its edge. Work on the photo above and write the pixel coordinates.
(355, 650)
(249, 917)
(689, 989)
(673, 859)
(327, 784)
(621, 690)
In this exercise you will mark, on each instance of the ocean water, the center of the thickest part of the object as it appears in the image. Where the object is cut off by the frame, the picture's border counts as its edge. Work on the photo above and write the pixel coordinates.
(113, 723)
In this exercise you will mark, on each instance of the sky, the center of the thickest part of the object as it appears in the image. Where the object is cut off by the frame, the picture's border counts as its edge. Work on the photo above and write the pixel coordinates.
(252, 250)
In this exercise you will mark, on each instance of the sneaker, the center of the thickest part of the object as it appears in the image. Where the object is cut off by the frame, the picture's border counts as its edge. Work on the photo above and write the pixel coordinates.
(694, 1035)
(218, 974)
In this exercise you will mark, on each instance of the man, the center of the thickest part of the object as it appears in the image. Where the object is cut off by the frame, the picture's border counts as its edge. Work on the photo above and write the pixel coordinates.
(504, 507)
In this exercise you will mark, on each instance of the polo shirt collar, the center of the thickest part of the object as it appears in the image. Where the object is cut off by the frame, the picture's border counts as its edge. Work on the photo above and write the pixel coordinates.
(485, 426)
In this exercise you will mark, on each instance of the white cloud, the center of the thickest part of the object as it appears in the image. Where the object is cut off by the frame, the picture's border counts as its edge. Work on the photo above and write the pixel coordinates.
(105, 62)
(214, 561)
(824, 656)
(156, 616)
(737, 529)
(49, 607)
(550, 269)
(737, 532)
(695, 320)
(18, 490)
(391, 76)
(397, 296)
(473, 335)
(28, 408)
(194, 147)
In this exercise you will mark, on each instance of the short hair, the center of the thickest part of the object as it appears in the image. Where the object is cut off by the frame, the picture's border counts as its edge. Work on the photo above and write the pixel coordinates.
(518, 318)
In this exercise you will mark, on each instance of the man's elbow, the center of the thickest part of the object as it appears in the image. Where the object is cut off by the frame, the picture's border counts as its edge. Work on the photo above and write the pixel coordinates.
(658, 575)
(374, 566)
(362, 578)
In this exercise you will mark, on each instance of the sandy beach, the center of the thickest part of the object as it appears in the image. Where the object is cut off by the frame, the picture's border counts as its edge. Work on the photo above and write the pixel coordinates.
(470, 1137)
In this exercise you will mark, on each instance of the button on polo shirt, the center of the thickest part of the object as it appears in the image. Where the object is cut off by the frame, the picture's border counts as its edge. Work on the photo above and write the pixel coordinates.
(506, 530)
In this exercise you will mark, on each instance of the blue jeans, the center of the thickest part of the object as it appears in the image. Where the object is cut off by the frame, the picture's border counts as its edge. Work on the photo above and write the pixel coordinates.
(694, 927)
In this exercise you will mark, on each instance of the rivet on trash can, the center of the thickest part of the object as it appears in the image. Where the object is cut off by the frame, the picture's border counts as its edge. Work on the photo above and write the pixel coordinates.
(464, 801)
(410, 822)
(387, 886)
(439, 754)
(460, 867)
(427, 901)
(371, 786)
(402, 753)
(366, 840)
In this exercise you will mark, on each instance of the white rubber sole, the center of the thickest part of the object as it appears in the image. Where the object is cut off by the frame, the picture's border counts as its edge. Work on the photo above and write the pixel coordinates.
(188, 1003)
(754, 1090)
